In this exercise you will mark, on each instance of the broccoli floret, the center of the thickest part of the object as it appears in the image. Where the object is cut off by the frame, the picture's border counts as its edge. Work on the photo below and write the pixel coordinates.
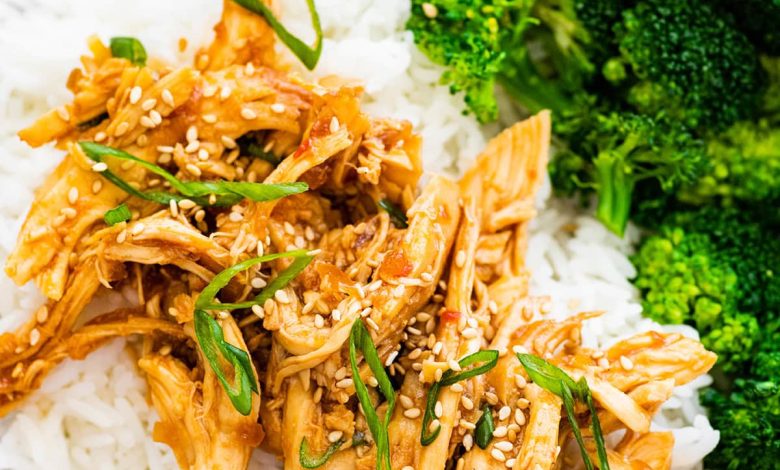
(612, 152)
(745, 166)
(713, 269)
(469, 38)
(759, 19)
(690, 61)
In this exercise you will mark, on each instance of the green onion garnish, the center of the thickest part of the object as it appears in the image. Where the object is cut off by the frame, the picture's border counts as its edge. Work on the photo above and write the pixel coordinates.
(226, 193)
(220, 353)
(359, 338)
(489, 357)
(555, 380)
(308, 461)
(120, 213)
(484, 432)
(130, 49)
(396, 215)
(308, 55)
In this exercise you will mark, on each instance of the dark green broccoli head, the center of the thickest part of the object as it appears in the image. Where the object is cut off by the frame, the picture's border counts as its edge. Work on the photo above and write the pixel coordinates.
(610, 153)
(468, 38)
(690, 61)
(759, 19)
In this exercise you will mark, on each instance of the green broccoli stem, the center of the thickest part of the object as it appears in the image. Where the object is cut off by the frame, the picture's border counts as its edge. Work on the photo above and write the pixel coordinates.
(615, 183)
(524, 84)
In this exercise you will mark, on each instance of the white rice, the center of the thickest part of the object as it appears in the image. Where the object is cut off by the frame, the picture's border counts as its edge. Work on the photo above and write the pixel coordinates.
(93, 413)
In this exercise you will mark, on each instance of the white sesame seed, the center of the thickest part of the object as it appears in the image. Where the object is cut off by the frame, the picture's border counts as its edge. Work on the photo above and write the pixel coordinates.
(430, 10)
(517, 349)
(319, 322)
(457, 388)
(142, 140)
(137, 228)
(228, 142)
(281, 297)
(147, 122)
(165, 149)
(469, 333)
(438, 409)
(258, 283)
(466, 424)
(437, 348)
(500, 431)
(167, 98)
(510, 463)
(258, 310)
(192, 168)
(523, 403)
(497, 454)
(73, 195)
(466, 402)
(390, 358)
(121, 237)
(504, 446)
(121, 129)
(63, 113)
(626, 363)
(147, 105)
(336, 314)
(277, 108)
(203, 154)
(35, 336)
(438, 374)
(453, 364)
(249, 69)
(225, 92)
(186, 204)
(248, 114)
(344, 383)
(100, 136)
(519, 417)
(603, 363)
(100, 166)
(504, 412)
(334, 124)
(155, 116)
(192, 147)
(373, 325)
(135, 94)
(406, 402)
(408, 467)
(468, 441)
(191, 134)
(335, 436)
(209, 118)
(42, 314)
(520, 381)
(412, 413)
(427, 277)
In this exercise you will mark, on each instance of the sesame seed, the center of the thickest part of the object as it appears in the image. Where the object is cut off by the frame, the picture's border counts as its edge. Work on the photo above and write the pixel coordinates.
(520, 381)
(192, 134)
(248, 114)
(469, 333)
(437, 348)
(334, 124)
(499, 431)
(491, 398)
(406, 402)
(493, 307)
(228, 142)
(453, 364)
(192, 147)
(438, 410)
(249, 69)
(42, 314)
(519, 417)
(336, 314)
(281, 297)
(603, 363)
(258, 283)
(430, 10)
(277, 108)
(73, 195)
(100, 136)
(626, 363)
(167, 98)
(100, 166)
(146, 121)
(156, 116)
(504, 446)
(466, 402)
(373, 325)
(35, 336)
(68, 212)
(319, 322)
(135, 94)
(335, 436)
(390, 358)
(63, 113)
(209, 118)
(344, 383)
(467, 425)
(373, 382)
(225, 92)
(460, 258)
(137, 229)
(523, 403)
(468, 441)
(142, 140)
(192, 168)
(519, 350)
(318, 395)
(121, 129)
(126, 165)
(504, 412)
(165, 149)
(438, 374)
(186, 204)
(147, 105)
(408, 467)
(121, 237)
(18, 369)
(203, 154)
(427, 277)
(173, 207)
(412, 413)
(258, 310)
(497, 454)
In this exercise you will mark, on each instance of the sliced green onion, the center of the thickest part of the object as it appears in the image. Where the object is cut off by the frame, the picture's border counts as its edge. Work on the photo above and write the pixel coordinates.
(130, 49)
(484, 431)
(359, 338)
(396, 215)
(308, 55)
(226, 193)
(249, 146)
(308, 461)
(218, 352)
(120, 213)
(89, 123)
(205, 300)
(490, 359)
(555, 380)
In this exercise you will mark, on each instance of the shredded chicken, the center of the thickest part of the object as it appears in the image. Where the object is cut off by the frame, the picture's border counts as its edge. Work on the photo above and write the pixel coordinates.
(448, 281)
